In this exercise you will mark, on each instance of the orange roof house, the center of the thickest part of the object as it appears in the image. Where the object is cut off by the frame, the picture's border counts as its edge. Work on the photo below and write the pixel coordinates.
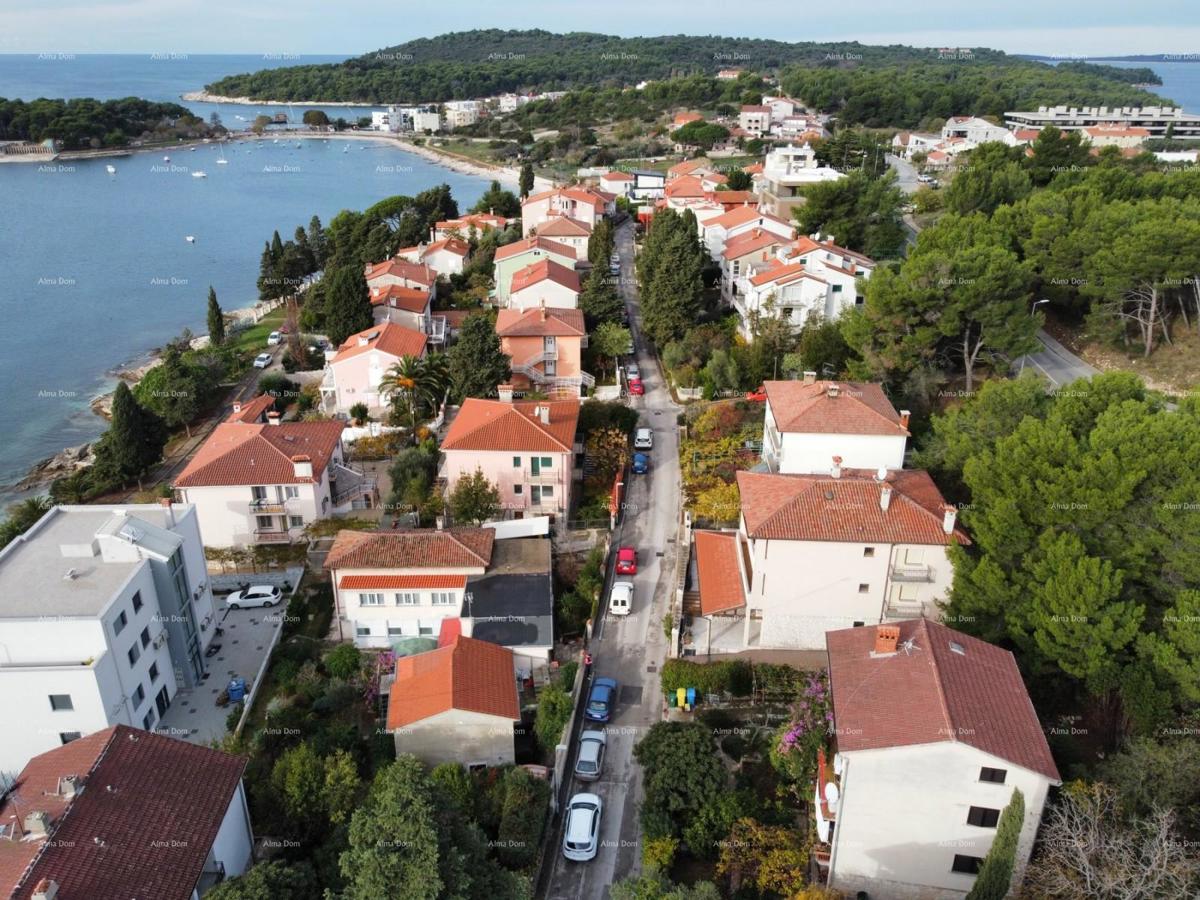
(718, 572)
(238, 453)
(545, 346)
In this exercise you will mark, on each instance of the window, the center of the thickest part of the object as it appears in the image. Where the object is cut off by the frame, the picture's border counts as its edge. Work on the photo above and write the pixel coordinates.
(967, 865)
(837, 288)
(291, 492)
(67, 736)
(859, 624)
(425, 630)
(914, 556)
(148, 722)
(153, 671)
(146, 636)
(134, 654)
(370, 599)
(547, 490)
(60, 702)
(295, 521)
(363, 630)
(547, 462)
(264, 523)
(119, 622)
(864, 588)
(785, 313)
(137, 601)
(516, 462)
(395, 631)
(442, 598)
(982, 817)
(993, 776)
(869, 552)
(139, 697)
(407, 598)
(518, 488)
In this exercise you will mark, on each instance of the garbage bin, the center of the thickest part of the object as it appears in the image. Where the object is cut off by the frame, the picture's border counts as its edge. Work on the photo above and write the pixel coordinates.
(691, 696)
(237, 689)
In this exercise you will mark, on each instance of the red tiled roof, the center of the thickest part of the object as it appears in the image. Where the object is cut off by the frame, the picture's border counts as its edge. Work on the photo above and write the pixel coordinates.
(146, 797)
(564, 226)
(540, 321)
(237, 453)
(616, 176)
(481, 221)
(402, 268)
(688, 166)
(390, 338)
(682, 118)
(846, 509)
(544, 270)
(252, 410)
(730, 199)
(739, 215)
(785, 274)
(1117, 131)
(532, 243)
(717, 571)
(931, 693)
(469, 675)
(857, 408)
(452, 548)
(753, 169)
(454, 245)
(750, 241)
(686, 186)
(806, 244)
(449, 631)
(756, 109)
(496, 425)
(400, 582)
(397, 296)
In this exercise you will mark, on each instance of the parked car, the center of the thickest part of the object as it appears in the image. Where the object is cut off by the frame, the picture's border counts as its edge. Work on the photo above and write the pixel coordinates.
(924, 179)
(614, 269)
(581, 833)
(254, 596)
(601, 700)
(641, 464)
(633, 372)
(262, 360)
(620, 598)
(274, 339)
(589, 762)
(643, 439)
(758, 395)
(626, 561)
(636, 387)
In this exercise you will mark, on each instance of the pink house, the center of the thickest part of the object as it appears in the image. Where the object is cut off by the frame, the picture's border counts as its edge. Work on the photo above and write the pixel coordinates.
(353, 375)
(545, 347)
(544, 283)
(527, 449)
(583, 204)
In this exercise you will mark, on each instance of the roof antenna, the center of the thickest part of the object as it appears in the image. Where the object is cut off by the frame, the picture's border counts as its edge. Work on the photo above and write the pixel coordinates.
(909, 646)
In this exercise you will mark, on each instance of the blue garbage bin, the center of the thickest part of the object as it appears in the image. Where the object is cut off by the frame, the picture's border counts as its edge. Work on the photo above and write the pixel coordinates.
(237, 689)
(691, 697)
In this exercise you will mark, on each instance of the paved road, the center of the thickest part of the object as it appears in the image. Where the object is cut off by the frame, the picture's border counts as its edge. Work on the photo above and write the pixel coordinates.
(1056, 363)
(631, 649)
(906, 174)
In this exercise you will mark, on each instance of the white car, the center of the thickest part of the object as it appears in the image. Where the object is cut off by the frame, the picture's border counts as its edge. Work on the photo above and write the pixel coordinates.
(633, 372)
(254, 596)
(589, 763)
(620, 598)
(274, 339)
(262, 360)
(643, 439)
(581, 833)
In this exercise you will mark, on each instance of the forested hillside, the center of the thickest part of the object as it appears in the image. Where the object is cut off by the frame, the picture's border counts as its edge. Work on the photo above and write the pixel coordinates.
(83, 123)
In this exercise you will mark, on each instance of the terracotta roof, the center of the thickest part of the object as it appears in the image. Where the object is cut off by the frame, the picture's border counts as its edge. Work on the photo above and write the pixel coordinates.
(779, 272)
(616, 176)
(544, 270)
(688, 166)
(532, 243)
(564, 226)
(1117, 131)
(756, 109)
(730, 199)
(750, 241)
(252, 410)
(146, 797)
(388, 337)
(240, 453)
(400, 582)
(682, 118)
(686, 186)
(397, 296)
(496, 425)
(845, 509)
(718, 573)
(740, 215)
(454, 245)
(932, 693)
(453, 548)
(469, 675)
(402, 268)
(806, 244)
(1026, 134)
(753, 169)
(481, 221)
(857, 408)
(578, 194)
(540, 321)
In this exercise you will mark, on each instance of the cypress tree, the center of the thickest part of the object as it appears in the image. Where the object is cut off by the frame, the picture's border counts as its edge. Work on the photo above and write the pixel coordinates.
(133, 443)
(995, 875)
(347, 304)
(216, 320)
(525, 182)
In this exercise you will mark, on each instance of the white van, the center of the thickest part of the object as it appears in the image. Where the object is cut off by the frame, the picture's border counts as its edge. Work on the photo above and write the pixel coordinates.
(620, 599)
(643, 439)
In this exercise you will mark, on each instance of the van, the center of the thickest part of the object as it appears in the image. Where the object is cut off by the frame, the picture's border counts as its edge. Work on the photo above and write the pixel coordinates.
(643, 439)
(620, 599)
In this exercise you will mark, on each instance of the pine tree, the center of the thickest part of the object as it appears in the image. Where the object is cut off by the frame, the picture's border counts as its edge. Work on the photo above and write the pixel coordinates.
(347, 304)
(133, 443)
(268, 283)
(317, 242)
(600, 245)
(995, 874)
(216, 320)
(276, 247)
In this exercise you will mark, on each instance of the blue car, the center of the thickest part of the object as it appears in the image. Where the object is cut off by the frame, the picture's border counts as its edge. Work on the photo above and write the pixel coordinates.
(601, 700)
(641, 464)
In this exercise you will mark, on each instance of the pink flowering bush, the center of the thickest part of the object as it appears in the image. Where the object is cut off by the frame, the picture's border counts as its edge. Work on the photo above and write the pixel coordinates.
(385, 664)
(794, 750)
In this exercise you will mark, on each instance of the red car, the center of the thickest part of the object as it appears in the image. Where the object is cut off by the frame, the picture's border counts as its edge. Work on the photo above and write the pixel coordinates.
(636, 387)
(758, 396)
(626, 561)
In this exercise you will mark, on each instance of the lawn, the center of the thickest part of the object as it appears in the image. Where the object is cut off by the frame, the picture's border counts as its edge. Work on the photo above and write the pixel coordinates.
(254, 338)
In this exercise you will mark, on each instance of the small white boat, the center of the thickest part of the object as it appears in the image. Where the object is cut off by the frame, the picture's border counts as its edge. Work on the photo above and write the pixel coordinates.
(199, 174)
(345, 149)
(191, 239)
(166, 159)
(222, 161)
(193, 149)
(112, 170)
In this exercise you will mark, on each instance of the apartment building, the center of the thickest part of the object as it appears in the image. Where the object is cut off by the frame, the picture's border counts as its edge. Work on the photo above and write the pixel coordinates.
(1160, 121)
(545, 347)
(356, 372)
(511, 258)
(787, 172)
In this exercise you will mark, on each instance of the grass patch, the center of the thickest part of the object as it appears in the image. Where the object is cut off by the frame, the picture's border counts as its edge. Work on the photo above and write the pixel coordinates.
(254, 338)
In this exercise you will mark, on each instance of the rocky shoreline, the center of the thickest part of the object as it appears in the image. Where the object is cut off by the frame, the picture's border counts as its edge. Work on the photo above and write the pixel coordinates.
(206, 97)
(65, 462)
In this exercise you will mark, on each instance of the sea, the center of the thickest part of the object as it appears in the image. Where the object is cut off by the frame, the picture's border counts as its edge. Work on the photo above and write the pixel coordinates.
(97, 268)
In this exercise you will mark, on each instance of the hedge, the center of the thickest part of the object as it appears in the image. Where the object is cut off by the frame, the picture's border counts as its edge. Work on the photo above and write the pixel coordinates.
(730, 677)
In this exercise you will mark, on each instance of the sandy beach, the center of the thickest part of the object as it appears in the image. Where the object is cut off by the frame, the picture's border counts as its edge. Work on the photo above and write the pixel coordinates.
(206, 97)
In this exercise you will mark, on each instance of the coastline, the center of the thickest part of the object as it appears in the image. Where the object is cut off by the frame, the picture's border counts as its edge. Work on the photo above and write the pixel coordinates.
(203, 96)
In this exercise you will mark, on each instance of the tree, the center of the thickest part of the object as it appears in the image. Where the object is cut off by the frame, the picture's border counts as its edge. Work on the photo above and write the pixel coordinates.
(600, 300)
(862, 213)
(609, 341)
(671, 268)
(1056, 151)
(700, 134)
(216, 320)
(175, 391)
(133, 443)
(347, 304)
(477, 362)
(498, 201)
(607, 450)
(995, 874)
(474, 499)
(525, 179)
(341, 785)
(415, 387)
(655, 886)
(21, 517)
(273, 880)
(770, 857)
(600, 245)
(553, 711)
(316, 118)
(993, 178)
(739, 180)
(822, 347)
(298, 778)
(344, 661)
(682, 773)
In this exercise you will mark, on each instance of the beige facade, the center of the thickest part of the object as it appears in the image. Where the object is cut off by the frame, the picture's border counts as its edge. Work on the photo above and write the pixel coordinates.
(458, 736)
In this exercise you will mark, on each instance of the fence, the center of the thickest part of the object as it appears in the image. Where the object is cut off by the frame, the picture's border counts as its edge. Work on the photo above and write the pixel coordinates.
(252, 690)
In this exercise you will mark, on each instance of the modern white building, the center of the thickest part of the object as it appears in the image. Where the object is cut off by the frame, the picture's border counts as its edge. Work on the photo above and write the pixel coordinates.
(976, 131)
(1160, 121)
(461, 113)
(934, 733)
(105, 613)
(787, 172)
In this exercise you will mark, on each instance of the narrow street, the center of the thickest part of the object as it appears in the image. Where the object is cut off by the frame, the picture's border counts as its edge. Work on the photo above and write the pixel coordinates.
(631, 649)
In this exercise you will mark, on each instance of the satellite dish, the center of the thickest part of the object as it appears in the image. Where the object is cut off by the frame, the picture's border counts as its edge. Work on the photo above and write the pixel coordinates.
(881, 474)
(831, 794)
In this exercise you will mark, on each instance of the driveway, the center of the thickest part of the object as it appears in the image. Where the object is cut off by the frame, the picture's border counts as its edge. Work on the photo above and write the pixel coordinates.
(631, 649)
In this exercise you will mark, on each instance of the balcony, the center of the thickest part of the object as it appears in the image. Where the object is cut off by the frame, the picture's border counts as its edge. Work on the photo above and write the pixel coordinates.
(271, 536)
(826, 794)
(912, 574)
(268, 506)
(436, 332)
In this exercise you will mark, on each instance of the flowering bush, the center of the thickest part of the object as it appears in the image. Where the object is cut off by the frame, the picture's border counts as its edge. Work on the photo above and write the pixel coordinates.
(385, 664)
(794, 752)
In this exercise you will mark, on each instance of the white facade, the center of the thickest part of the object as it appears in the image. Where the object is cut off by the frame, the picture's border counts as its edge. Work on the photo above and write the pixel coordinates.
(547, 292)
(923, 793)
(233, 848)
(976, 131)
(461, 736)
(787, 172)
(792, 452)
(424, 120)
(378, 617)
(461, 113)
(242, 515)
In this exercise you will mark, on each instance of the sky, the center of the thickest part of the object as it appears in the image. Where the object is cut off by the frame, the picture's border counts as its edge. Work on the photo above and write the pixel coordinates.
(1068, 28)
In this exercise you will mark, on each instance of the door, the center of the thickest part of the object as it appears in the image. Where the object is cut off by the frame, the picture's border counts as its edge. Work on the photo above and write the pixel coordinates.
(162, 700)
(535, 466)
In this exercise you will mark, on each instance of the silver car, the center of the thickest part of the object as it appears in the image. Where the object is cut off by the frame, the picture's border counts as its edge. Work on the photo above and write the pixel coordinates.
(257, 595)
(589, 762)
(581, 834)
(262, 360)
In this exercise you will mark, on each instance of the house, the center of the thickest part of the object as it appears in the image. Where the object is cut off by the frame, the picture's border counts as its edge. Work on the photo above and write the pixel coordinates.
(125, 813)
(906, 143)
(568, 232)
(446, 256)
(781, 107)
(526, 449)
(354, 374)
(728, 74)
(427, 120)
(512, 604)
(401, 273)
(647, 185)
(1123, 136)
(410, 308)
(755, 120)
(463, 225)
(729, 200)
(934, 733)
(105, 614)
(518, 255)
(696, 168)
(685, 191)
(544, 283)
(684, 118)
(976, 130)
(545, 346)
(754, 247)
(254, 483)
(807, 423)
(619, 183)
(580, 203)
(461, 113)
(787, 172)
(717, 231)
(456, 704)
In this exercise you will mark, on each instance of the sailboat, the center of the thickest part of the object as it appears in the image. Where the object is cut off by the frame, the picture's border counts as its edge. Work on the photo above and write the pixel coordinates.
(112, 170)
(199, 174)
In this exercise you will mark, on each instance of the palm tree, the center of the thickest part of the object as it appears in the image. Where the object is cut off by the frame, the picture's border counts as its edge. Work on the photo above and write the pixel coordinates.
(416, 387)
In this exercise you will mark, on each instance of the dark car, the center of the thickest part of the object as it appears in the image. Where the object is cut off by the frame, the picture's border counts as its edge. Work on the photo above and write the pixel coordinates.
(641, 464)
(601, 700)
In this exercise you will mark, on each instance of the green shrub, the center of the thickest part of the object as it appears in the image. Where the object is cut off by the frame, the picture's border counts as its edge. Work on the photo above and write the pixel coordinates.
(658, 854)
(732, 677)
(235, 716)
(343, 661)
(553, 713)
(566, 676)
(522, 818)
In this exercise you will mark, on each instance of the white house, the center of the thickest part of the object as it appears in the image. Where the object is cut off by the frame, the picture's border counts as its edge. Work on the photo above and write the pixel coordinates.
(755, 247)
(619, 183)
(583, 204)
(976, 131)
(105, 613)
(446, 256)
(906, 143)
(717, 231)
(787, 172)
(544, 283)
(460, 113)
(568, 232)
(755, 120)
(934, 733)
(511, 258)
(124, 813)
(426, 120)
(255, 483)
(809, 422)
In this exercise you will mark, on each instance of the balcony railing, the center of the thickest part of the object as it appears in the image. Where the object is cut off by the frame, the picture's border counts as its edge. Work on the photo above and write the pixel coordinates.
(271, 536)
(912, 573)
(267, 506)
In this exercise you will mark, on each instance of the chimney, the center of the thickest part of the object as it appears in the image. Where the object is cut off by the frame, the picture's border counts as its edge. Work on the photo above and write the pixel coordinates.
(543, 414)
(886, 638)
(543, 308)
(363, 340)
(904, 416)
(237, 406)
(37, 823)
(273, 418)
(810, 377)
(168, 511)
(833, 390)
(302, 466)
(47, 889)
(68, 786)
(836, 471)
(439, 522)
(504, 392)
(885, 496)
(949, 514)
